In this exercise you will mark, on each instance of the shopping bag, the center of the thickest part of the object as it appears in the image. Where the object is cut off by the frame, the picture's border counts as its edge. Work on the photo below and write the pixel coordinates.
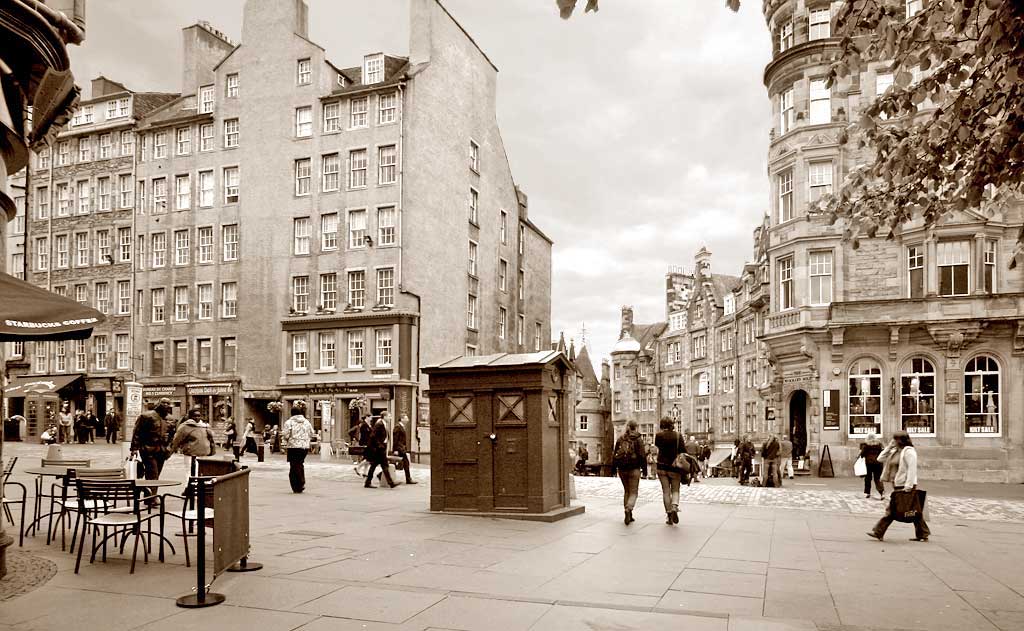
(907, 506)
(860, 468)
(133, 468)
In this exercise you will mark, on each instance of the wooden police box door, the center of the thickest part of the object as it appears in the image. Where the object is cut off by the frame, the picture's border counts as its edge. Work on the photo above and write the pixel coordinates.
(510, 451)
(461, 453)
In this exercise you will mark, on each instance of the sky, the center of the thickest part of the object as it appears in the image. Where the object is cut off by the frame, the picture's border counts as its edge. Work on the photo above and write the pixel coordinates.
(639, 133)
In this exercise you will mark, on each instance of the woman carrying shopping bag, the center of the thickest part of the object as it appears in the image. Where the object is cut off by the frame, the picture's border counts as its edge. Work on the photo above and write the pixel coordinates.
(906, 503)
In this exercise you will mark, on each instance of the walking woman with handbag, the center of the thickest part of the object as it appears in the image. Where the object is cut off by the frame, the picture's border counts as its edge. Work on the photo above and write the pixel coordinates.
(869, 451)
(670, 447)
(906, 502)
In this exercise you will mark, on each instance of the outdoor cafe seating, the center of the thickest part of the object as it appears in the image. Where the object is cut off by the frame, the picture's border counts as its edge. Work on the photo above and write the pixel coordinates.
(9, 501)
(107, 497)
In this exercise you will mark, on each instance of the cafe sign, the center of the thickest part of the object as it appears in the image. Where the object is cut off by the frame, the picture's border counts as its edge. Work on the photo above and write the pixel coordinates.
(195, 389)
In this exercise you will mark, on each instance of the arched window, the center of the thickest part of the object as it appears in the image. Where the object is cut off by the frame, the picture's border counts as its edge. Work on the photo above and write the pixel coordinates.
(982, 404)
(917, 397)
(865, 398)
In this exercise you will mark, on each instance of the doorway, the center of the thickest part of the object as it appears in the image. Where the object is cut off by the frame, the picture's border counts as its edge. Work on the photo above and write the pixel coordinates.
(798, 423)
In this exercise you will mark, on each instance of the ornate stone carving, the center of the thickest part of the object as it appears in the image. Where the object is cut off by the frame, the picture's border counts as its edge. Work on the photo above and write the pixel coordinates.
(837, 344)
(955, 337)
(894, 341)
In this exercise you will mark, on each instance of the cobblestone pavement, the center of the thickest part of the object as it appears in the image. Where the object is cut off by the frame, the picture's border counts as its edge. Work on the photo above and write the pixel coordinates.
(25, 572)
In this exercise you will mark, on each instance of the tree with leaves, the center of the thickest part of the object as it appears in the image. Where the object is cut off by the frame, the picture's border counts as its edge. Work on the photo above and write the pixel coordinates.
(949, 134)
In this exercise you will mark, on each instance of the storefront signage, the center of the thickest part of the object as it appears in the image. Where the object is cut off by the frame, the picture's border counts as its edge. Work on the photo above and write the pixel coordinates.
(830, 406)
(208, 388)
(331, 388)
(101, 384)
(157, 391)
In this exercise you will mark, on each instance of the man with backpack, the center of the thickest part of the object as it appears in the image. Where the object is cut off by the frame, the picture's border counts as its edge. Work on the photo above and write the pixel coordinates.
(629, 459)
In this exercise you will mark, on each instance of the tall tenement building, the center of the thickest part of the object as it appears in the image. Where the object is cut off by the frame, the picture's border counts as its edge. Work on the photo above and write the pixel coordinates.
(826, 343)
(287, 228)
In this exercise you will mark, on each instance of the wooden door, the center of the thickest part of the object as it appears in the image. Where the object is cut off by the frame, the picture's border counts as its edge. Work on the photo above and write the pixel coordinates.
(510, 451)
(461, 452)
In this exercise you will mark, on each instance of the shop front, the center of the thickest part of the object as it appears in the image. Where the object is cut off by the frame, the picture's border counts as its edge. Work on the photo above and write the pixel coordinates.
(216, 402)
(38, 398)
(334, 408)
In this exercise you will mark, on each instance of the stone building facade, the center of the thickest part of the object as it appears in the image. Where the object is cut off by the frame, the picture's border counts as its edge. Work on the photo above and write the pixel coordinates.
(593, 409)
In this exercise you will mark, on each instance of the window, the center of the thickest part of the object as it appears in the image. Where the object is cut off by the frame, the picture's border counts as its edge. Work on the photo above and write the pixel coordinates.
(124, 185)
(357, 162)
(159, 195)
(820, 264)
(357, 289)
(748, 331)
(819, 179)
(100, 348)
(157, 297)
(356, 229)
(725, 339)
(954, 268)
(503, 228)
(231, 85)
(786, 36)
(329, 231)
(144, 152)
(538, 330)
(982, 401)
(121, 344)
(181, 247)
(83, 197)
(471, 311)
(883, 81)
(387, 105)
(156, 358)
(103, 192)
(474, 156)
(355, 349)
(60, 360)
(785, 180)
(229, 300)
(182, 192)
(786, 111)
(700, 346)
(63, 153)
(373, 69)
(43, 202)
(990, 265)
(159, 249)
(502, 322)
(124, 243)
(521, 330)
(303, 121)
(915, 271)
(865, 401)
(331, 166)
(205, 237)
(43, 159)
(522, 285)
(357, 112)
(473, 249)
(729, 304)
(231, 133)
(821, 103)
(917, 397)
(39, 363)
(181, 304)
(159, 145)
(303, 175)
(386, 226)
(502, 274)
(103, 297)
(329, 291)
(228, 354)
(141, 203)
(474, 206)
(81, 249)
(304, 72)
(383, 340)
(204, 351)
(117, 108)
(206, 137)
(703, 384)
(328, 350)
(786, 297)
(127, 143)
(387, 159)
(522, 238)
(913, 7)
(84, 149)
(205, 190)
(300, 351)
(583, 423)
(106, 146)
(819, 24)
(332, 117)
(61, 245)
(300, 293)
(230, 184)
(82, 294)
(63, 200)
(182, 141)
(386, 287)
(205, 301)
(206, 99)
(124, 297)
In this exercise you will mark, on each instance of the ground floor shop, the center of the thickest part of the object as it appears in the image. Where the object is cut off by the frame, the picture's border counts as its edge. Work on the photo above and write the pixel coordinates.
(216, 401)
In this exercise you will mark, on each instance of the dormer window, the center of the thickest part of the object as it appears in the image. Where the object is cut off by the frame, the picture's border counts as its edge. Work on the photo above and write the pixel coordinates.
(341, 80)
(373, 69)
(730, 304)
(206, 99)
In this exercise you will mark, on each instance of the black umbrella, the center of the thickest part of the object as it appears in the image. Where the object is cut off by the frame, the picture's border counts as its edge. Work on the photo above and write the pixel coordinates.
(30, 313)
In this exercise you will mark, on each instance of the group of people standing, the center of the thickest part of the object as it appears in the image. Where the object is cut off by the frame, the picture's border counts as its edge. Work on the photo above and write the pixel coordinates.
(83, 426)
(776, 460)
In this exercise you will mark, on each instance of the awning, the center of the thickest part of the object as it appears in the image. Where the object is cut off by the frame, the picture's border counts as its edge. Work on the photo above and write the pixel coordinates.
(40, 384)
(718, 455)
(30, 313)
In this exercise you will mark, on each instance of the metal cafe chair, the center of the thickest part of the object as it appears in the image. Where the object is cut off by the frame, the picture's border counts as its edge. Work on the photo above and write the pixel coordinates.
(187, 512)
(7, 501)
(58, 489)
(106, 494)
(74, 504)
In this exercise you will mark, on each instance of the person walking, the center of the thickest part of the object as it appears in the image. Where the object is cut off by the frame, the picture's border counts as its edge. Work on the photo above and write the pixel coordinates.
(629, 461)
(786, 457)
(149, 440)
(377, 453)
(770, 457)
(193, 438)
(360, 435)
(905, 482)
(652, 462)
(401, 445)
(296, 437)
(231, 438)
(746, 454)
(693, 449)
(65, 425)
(705, 456)
(889, 464)
(250, 437)
(669, 444)
(113, 425)
(869, 451)
(581, 459)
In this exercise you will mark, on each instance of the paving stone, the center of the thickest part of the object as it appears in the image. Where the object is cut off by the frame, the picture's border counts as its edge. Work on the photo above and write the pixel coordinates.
(675, 600)
(723, 583)
(368, 603)
(478, 614)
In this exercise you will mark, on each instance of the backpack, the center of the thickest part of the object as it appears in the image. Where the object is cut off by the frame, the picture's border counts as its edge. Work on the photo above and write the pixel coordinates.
(625, 451)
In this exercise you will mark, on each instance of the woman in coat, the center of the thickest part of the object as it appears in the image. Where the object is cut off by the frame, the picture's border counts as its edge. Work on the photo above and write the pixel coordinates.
(869, 451)
(668, 443)
(905, 481)
(629, 458)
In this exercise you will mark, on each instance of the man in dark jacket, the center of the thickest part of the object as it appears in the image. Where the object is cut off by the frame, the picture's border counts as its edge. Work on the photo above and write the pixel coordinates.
(150, 439)
(770, 456)
(113, 424)
(401, 444)
(377, 452)
(746, 455)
